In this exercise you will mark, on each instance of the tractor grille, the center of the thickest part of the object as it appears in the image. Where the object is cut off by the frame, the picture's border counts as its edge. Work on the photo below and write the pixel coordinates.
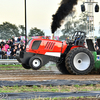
(50, 45)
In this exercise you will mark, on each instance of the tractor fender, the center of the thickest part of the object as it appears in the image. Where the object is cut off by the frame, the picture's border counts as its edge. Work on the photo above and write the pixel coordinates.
(76, 47)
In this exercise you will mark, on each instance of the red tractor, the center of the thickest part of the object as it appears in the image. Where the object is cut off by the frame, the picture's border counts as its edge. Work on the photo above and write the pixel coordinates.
(70, 57)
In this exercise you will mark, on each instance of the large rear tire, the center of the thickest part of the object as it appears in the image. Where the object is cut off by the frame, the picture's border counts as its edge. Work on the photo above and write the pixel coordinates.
(79, 61)
(61, 67)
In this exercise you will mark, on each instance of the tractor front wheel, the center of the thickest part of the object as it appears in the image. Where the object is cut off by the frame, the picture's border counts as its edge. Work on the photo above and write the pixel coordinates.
(35, 63)
(79, 61)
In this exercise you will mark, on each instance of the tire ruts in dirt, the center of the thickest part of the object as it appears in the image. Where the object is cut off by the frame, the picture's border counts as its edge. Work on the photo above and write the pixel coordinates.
(31, 95)
(49, 83)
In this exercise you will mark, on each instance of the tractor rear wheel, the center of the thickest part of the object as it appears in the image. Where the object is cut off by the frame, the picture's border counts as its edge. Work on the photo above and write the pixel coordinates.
(26, 66)
(79, 61)
(61, 67)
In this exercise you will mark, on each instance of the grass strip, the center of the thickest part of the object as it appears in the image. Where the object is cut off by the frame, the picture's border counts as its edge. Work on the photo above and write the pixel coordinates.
(59, 98)
(20, 67)
(65, 89)
(11, 65)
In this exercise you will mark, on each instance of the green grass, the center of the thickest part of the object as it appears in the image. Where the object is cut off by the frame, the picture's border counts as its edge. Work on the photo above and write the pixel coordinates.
(20, 67)
(77, 86)
(66, 89)
(11, 67)
(59, 98)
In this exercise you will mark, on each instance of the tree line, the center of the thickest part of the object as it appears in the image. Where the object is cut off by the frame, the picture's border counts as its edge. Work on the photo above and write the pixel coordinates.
(77, 24)
(7, 30)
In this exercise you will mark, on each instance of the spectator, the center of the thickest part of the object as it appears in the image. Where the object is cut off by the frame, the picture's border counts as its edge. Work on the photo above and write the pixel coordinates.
(0, 53)
(10, 48)
(21, 42)
(8, 54)
(11, 54)
(23, 48)
(2, 43)
(96, 45)
(18, 39)
(4, 53)
(19, 47)
(6, 46)
(8, 40)
(14, 53)
(13, 39)
(11, 43)
(98, 50)
(4, 49)
(15, 47)
(47, 37)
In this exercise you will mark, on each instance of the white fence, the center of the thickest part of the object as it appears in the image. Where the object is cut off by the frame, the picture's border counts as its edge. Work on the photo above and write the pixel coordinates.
(9, 61)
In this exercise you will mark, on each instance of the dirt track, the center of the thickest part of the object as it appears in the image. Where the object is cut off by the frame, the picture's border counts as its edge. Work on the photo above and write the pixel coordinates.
(13, 75)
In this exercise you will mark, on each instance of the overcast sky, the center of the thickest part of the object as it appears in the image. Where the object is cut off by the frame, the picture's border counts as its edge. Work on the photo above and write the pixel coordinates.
(39, 13)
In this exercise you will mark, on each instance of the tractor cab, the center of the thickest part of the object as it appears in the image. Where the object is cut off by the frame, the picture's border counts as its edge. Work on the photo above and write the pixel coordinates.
(79, 38)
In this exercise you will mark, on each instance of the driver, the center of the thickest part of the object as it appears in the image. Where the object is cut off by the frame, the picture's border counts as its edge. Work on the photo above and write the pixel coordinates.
(76, 41)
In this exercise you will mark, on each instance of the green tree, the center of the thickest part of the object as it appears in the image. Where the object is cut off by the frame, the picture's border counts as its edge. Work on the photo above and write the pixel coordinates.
(68, 30)
(80, 24)
(36, 32)
(83, 23)
(63, 37)
(7, 30)
(69, 27)
(22, 30)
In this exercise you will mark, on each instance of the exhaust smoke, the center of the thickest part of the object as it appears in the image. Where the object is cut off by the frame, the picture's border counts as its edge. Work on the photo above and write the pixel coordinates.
(66, 7)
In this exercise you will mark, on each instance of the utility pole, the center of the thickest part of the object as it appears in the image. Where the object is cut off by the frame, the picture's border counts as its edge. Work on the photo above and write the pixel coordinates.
(25, 25)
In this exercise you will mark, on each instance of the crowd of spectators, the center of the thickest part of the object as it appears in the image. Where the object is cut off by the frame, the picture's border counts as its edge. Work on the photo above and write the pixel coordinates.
(8, 48)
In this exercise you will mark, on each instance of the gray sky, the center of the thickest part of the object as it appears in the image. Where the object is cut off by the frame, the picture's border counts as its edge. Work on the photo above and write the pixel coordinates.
(39, 13)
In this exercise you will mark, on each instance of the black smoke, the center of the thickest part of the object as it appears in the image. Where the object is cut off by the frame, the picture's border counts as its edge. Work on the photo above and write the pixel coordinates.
(66, 7)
